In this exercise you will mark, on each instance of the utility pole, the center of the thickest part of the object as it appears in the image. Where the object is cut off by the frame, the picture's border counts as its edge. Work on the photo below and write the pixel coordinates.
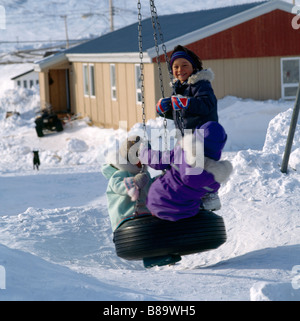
(66, 30)
(111, 15)
(291, 133)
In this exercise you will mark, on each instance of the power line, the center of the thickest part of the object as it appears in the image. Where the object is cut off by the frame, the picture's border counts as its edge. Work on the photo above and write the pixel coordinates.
(45, 41)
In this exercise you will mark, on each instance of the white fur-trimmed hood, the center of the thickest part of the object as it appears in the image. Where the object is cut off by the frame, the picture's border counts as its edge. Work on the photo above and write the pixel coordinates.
(204, 74)
(194, 156)
(114, 158)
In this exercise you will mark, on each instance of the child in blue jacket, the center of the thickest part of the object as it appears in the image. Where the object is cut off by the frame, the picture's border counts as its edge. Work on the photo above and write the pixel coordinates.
(193, 102)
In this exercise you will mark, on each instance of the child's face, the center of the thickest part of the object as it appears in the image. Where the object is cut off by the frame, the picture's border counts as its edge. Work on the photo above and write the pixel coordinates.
(182, 69)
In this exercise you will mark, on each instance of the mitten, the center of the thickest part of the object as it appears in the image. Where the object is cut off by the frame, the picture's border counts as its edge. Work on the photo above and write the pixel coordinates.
(131, 188)
(141, 180)
(163, 105)
(180, 102)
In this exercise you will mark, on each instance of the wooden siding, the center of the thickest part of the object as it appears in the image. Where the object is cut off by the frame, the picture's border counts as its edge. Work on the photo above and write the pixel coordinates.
(44, 89)
(256, 78)
(102, 109)
(268, 35)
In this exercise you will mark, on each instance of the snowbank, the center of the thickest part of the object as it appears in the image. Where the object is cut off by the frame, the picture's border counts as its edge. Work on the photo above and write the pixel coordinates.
(263, 291)
(246, 121)
(77, 145)
(31, 278)
(9, 71)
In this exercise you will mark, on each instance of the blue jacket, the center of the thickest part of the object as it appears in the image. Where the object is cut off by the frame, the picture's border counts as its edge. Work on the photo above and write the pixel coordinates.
(203, 102)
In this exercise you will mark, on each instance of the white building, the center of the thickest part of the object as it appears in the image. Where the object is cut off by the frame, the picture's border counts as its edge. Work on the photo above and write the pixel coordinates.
(27, 79)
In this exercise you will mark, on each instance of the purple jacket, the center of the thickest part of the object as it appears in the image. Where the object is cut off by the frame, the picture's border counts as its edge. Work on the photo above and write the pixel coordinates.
(177, 193)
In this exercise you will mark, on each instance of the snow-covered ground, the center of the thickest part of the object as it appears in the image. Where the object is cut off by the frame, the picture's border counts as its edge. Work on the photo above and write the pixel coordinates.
(55, 234)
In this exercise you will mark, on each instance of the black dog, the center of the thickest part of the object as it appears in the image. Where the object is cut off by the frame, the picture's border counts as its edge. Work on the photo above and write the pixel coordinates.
(36, 160)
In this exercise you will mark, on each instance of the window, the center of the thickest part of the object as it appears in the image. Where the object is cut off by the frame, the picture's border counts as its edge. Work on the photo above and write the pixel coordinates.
(85, 80)
(290, 77)
(31, 83)
(138, 84)
(92, 81)
(19, 83)
(25, 83)
(113, 82)
(89, 80)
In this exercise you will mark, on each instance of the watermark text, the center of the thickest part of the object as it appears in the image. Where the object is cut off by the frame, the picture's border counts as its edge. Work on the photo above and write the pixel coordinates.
(2, 18)
(2, 278)
(296, 277)
(161, 143)
(296, 20)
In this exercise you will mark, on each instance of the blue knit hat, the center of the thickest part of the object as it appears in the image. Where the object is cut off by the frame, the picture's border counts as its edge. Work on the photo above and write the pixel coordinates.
(182, 54)
(214, 137)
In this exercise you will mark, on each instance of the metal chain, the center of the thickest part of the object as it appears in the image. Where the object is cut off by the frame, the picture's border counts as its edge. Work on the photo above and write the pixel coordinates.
(156, 25)
(141, 56)
(163, 46)
(154, 14)
(142, 79)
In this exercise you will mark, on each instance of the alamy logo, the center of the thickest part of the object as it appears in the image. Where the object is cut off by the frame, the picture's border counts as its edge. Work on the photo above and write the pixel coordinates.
(2, 278)
(2, 18)
(296, 278)
(295, 21)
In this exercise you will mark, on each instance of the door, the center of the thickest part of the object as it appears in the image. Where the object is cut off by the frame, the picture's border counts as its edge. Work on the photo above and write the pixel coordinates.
(59, 90)
(290, 77)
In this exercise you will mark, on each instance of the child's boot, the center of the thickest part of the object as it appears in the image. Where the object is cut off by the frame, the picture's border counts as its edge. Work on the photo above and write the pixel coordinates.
(211, 202)
(161, 260)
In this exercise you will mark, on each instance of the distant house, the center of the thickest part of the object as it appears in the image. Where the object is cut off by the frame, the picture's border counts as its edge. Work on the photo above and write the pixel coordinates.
(27, 79)
(252, 48)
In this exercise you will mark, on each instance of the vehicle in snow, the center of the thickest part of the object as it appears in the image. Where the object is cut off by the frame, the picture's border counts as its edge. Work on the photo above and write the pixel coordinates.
(48, 120)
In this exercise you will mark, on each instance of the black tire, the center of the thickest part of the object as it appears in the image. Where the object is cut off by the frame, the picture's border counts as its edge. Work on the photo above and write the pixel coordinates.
(39, 131)
(149, 236)
(39, 126)
(58, 125)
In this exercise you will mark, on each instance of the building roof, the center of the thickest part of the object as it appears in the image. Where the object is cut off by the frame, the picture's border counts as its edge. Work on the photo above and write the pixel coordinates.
(23, 74)
(181, 28)
(173, 26)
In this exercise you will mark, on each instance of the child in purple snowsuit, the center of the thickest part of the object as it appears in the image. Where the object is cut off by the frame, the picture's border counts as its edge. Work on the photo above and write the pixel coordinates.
(189, 174)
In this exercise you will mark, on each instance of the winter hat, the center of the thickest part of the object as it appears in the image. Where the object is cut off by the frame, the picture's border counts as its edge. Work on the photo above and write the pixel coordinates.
(214, 137)
(129, 149)
(182, 54)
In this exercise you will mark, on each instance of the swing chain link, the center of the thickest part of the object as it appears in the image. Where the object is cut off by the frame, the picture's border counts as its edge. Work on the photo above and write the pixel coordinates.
(142, 80)
(156, 25)
(141, 56)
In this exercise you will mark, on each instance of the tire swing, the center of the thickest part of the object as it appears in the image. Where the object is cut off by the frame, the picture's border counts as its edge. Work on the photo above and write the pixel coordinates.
(150, 237)
(160, 242)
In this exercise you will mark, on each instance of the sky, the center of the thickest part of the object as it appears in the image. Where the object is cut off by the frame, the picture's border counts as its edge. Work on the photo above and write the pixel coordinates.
(49, 21)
